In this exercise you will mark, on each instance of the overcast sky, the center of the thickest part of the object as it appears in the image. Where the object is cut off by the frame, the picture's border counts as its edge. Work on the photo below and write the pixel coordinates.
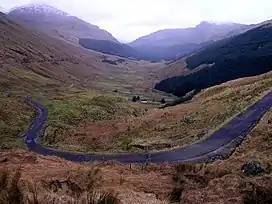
(130, 19)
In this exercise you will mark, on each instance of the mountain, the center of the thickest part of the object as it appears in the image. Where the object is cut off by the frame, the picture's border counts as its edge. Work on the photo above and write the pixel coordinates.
(3, 10)
(57, 23)
(31, 59)
(148, 53)
(203, 32)
(168, 45)
(172, 44)
(244, 55)
(32, 62)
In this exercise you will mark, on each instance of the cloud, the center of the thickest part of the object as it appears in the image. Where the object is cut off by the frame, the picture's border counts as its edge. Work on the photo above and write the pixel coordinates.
(129, 19)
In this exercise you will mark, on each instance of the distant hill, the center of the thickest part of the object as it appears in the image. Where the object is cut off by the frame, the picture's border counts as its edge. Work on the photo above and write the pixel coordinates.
(244, 55)
(109, 47)
(149, 53)
(57, 23)
(172, 44)
(167, 53)
(201, 33)
(168, 45)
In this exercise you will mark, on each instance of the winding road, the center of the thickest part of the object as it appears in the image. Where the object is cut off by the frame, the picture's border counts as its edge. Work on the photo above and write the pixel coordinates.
(220, 144)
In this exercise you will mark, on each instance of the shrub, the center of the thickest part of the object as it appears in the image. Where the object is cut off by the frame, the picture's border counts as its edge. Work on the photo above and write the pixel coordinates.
(12, 193)
(134, 99)
(163, 101)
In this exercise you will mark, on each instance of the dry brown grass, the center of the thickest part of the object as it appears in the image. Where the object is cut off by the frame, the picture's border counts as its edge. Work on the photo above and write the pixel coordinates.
(130, 185)
(175, 126)
(219, 182)
(224, 180)
(14, 189)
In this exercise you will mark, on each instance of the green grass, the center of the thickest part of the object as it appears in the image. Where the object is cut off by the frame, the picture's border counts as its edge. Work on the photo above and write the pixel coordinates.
(14, 119)
(65, 115)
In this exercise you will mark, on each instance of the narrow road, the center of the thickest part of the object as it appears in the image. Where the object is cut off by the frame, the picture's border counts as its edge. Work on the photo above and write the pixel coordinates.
(220, 143)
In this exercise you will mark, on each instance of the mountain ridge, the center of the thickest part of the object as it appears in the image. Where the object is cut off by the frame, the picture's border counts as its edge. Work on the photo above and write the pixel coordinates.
(57, 23)
(205, 31)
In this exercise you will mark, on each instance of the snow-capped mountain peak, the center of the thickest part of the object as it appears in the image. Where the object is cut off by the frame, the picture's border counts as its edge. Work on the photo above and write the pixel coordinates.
(38, 9)
(3, 10)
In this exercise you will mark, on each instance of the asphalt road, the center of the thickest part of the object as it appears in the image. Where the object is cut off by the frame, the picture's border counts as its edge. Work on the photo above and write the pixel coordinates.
(223, 141)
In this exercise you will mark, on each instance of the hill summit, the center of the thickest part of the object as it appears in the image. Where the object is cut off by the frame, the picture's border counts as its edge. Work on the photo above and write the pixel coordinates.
(57, 23)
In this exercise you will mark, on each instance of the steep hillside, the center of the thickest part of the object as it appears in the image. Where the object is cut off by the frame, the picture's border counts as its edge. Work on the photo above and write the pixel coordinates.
(203, 32)
(149, 53)
(30, 51)
(109, 47)
(247, 54)
(34, 62)
(57, 23)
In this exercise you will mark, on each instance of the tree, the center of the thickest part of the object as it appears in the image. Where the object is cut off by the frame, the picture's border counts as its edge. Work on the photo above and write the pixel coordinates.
(163, 100)
(138, 98)
(134, 99)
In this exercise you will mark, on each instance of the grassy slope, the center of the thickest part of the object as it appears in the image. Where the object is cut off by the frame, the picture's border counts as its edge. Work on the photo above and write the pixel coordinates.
(225, 180)
(220, 182)
(66, 115)
(67, 105)
(29, 51)
(14, 119)
(46, 69)
(32, 51)
(175, 126)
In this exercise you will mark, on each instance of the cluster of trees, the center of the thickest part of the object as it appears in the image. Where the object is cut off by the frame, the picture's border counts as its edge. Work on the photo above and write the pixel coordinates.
(136, 98)
(245, 55)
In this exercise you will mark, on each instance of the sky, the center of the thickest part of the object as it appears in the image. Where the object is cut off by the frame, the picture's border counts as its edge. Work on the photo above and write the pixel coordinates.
(130, 19)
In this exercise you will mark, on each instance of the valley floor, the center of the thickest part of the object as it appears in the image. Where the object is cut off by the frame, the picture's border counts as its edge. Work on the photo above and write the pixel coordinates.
(173, 127)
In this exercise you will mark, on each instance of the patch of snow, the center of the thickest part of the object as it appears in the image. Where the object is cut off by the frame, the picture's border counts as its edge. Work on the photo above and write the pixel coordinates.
(38, 9)
(3, 10)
